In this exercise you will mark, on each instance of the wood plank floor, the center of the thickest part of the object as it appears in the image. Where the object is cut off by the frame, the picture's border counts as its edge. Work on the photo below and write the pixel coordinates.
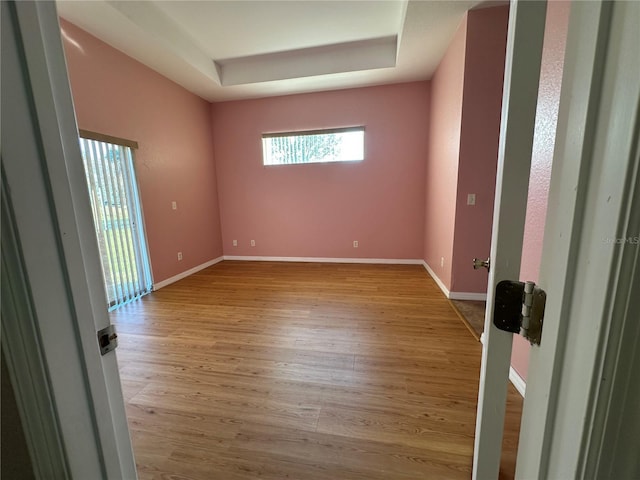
(303, 371)
(472, 313)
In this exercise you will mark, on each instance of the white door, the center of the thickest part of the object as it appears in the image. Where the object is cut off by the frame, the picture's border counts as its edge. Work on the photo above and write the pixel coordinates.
(52, 256)
(591, 228)
(520, 95)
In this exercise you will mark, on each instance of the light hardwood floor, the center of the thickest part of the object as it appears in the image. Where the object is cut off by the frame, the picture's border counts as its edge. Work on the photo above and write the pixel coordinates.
(302, 371)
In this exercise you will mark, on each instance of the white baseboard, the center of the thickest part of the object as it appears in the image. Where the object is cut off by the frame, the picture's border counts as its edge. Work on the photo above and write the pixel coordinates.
(186, 273)
(468, 296)
(444, 289)
(389, 261)
(517, 381)
(453, 295)
(191, 271)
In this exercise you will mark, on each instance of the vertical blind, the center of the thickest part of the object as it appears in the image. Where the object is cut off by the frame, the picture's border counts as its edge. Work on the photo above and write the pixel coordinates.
(313, 146)
(117, 216)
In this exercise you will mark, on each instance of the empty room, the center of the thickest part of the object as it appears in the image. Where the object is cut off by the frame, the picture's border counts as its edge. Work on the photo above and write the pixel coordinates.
(280, 217)
(339, 357)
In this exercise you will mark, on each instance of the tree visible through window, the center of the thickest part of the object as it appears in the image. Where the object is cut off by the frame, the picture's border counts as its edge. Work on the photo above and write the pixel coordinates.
(318, 146)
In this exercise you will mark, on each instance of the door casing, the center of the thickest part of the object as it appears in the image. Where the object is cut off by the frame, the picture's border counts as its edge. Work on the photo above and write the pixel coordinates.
(47, 192)
(585, 351)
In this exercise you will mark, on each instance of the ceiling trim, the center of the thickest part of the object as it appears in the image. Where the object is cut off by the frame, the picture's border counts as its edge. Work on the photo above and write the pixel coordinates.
(360, 48)
(165, 31)
(307, 62)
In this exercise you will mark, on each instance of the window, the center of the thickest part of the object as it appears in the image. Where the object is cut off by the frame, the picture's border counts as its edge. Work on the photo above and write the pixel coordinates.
(117, 216)
(317, 146)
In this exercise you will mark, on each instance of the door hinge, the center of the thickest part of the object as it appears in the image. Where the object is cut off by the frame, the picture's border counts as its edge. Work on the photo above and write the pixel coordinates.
(107, 339)
(519, 308)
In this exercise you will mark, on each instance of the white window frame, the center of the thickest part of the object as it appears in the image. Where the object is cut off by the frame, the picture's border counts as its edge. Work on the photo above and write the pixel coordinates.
(303, 133)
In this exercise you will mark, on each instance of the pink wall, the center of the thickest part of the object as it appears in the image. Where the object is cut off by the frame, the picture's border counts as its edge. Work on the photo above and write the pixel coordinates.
(318, 210)
(555, 36)
(466, 99)
(479, 137)
(441, 175)
(118, 96)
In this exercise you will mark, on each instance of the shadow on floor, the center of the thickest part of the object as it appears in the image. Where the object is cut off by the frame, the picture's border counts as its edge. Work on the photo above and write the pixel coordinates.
(472, 314)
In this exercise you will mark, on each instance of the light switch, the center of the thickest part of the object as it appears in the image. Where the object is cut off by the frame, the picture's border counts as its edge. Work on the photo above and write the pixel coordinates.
(471, 199)
(174, 205)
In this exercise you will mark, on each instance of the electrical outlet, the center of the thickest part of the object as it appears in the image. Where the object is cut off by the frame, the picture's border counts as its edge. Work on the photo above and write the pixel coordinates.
(471, 199)
(442, 261)
(253, 243)
(235, 243)
(179, 256)
(355, 244)
(174, 205)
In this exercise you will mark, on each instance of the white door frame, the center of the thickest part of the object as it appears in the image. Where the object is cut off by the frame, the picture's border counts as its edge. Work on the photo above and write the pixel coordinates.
(50, 213)
(587, 269)
(590, 333)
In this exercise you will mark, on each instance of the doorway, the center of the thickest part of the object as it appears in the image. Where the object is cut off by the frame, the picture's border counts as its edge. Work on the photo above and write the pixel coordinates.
(117, 216)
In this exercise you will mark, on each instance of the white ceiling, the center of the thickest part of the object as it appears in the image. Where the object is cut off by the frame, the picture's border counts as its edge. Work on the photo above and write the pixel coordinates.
(225, 50)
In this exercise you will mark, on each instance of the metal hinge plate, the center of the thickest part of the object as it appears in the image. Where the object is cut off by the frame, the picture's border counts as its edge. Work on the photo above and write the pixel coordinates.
(519, 308)
(107, 339)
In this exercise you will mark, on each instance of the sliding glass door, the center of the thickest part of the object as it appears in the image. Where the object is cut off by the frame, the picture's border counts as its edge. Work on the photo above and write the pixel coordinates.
(117, 215)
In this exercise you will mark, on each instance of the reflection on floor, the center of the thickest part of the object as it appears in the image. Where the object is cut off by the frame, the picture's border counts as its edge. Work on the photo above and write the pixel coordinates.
(472, 314)
(314, 371)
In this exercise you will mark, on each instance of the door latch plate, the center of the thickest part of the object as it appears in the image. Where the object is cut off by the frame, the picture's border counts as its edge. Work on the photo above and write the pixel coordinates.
(107, 339)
